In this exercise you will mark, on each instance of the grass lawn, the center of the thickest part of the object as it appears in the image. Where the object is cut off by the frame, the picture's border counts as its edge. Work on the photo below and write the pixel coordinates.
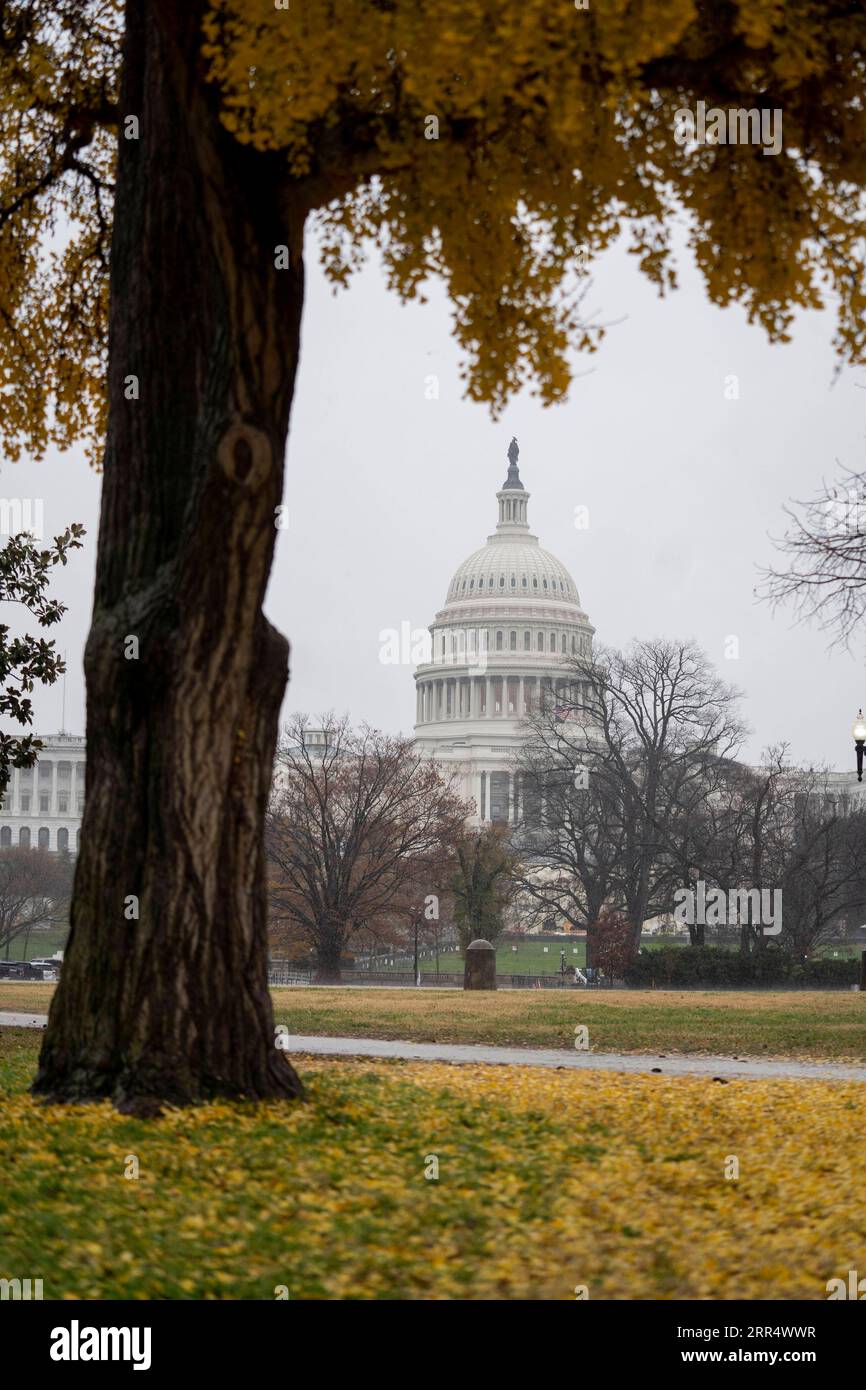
(825, 1025)
(546, 1182)
(817, 1025)
(42, 941)
(530, 958)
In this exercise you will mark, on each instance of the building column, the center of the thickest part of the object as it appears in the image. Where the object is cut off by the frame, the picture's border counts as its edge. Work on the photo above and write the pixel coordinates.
(521, 702)
(52, 795)
(482, 804)
(488, 707)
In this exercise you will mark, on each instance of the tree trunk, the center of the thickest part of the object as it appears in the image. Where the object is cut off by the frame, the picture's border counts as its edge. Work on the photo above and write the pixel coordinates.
(591, 947)
(163, 993)
(327, 971)
(329, 950)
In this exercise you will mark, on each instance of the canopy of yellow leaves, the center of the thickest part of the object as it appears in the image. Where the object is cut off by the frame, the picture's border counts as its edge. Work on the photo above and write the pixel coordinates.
(554, 130)
(58, 74)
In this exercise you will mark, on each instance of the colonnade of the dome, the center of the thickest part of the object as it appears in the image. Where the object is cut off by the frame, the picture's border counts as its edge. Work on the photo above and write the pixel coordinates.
(440, 698)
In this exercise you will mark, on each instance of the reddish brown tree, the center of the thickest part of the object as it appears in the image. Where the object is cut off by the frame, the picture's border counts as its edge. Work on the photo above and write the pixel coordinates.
(614, 944)
(353, 822)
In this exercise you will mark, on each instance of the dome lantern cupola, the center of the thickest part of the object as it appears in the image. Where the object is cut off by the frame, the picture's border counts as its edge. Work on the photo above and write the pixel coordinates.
(512, 497)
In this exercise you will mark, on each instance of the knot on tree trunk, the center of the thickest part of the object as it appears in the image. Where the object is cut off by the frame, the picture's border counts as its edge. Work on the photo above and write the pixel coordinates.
(245, 455)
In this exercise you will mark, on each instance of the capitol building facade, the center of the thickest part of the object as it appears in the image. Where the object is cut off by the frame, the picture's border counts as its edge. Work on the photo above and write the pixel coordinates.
(43, 805)
(500, 646)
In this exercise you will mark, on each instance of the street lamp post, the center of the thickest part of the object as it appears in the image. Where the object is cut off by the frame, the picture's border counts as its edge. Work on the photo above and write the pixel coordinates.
(859, 732)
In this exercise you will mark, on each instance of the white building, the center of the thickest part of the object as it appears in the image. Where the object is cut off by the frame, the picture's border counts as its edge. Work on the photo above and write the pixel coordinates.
(44, 803)
(512, 619)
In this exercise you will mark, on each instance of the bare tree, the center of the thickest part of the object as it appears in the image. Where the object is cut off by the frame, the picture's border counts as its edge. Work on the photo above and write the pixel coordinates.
(35, 888)
(775, 828)
(657, 724)
(421, 914)
(486, 876)
(571, 830)
(817, 841)
(351, 820)
(826, 543)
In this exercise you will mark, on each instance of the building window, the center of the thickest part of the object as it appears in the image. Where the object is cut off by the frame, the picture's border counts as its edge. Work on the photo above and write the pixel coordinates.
(5, 837)
(44, 803)
(499, 641)
(513, 642)
(25, 803)
(534, 583)
(541, 641)
(24, 837)
(43, 837)
(574, 644)
(62, 804)
(63, 841)
(523, 581)
(81, 805)
(544, 583)
(553, 641)
(527, 641)
(502, 581)
(513, 582)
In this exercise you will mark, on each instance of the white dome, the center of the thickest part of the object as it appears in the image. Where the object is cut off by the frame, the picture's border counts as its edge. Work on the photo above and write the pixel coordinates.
(514, 569)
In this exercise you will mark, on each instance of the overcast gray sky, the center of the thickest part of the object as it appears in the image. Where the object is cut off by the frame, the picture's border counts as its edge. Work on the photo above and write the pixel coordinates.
(388, 491)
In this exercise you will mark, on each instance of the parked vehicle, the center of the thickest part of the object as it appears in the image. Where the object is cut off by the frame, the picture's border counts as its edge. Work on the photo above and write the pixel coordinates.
(46, 963)
(20, 970)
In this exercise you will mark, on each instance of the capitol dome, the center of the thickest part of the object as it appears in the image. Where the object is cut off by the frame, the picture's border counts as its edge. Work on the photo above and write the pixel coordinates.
(502, 644)
(513, 567)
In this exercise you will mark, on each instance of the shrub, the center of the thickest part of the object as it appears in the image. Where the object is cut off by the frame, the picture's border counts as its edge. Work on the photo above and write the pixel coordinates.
(680, 966)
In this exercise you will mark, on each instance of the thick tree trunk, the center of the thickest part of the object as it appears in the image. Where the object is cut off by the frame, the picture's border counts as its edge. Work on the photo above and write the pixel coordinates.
(164, 994)
(329, 950)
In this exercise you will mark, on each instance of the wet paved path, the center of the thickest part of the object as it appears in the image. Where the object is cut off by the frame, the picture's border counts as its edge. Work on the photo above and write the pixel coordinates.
(681, 1065)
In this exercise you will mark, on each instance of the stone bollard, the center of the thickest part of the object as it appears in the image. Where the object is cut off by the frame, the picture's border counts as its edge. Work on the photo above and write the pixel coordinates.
(479, 971)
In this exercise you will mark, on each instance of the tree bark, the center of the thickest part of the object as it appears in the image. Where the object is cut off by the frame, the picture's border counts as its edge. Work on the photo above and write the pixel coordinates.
(163, 994)
(591, 946)
(329, 943)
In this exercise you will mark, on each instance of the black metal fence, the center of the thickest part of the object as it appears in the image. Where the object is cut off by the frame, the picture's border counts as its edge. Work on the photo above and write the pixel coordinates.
(445, 979)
